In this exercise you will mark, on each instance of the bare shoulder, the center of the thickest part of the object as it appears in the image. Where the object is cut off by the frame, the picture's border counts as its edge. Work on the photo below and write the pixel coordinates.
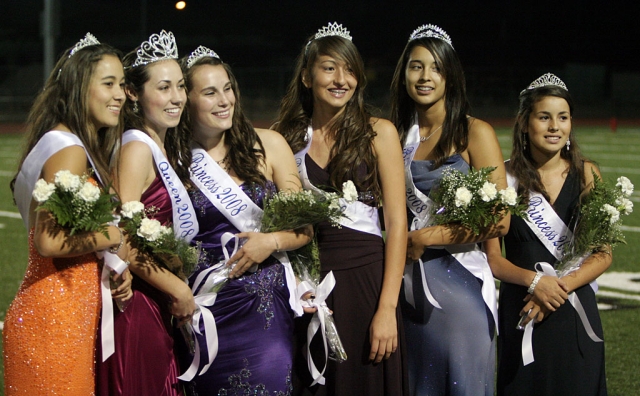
(269, 137)
(590, 169)
(479, 128)
(384, 129)
(71, 158)
(136, 148)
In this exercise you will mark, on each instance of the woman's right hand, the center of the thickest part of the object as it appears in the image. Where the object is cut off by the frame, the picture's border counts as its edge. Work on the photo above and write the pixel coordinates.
(534, 310)
(551, 292)
(182, 304)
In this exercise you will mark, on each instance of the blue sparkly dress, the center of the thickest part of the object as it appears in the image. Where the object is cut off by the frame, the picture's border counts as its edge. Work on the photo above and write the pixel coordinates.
(450, 351)
(252, 313)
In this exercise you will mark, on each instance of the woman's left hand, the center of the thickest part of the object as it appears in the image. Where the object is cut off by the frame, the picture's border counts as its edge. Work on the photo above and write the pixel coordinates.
(257, 247)
(123, 291)
(415, 247)
(383, 333)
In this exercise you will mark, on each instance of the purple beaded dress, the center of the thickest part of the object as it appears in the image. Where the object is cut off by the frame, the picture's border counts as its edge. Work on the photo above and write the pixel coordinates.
(252, 314)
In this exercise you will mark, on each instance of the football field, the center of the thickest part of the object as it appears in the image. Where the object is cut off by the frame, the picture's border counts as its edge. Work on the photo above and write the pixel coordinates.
(619, 294)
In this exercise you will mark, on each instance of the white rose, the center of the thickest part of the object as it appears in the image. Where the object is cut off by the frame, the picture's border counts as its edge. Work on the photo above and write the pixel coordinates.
(89, 193)
(463, 197)
(131, 208)
(150, 229)
(624, 205)
(349, 192)
(613, 213)
(509, 196)
(43, 190)
(488, 191)
(625, 185)
(67, 180)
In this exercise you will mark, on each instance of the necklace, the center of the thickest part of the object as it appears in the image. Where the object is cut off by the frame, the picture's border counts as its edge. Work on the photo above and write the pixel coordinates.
(223, 162)
(425, 138)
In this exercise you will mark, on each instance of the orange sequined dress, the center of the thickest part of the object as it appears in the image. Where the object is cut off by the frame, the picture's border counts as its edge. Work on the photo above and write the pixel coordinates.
(51, 326)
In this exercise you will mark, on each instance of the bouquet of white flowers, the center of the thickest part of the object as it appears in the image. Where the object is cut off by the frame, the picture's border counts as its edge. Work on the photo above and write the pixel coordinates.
(472, 200)
(152, 238)
(597, 228)
(76, 202)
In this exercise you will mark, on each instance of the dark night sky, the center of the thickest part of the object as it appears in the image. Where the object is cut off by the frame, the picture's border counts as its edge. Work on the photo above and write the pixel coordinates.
(503, 44)
(483, 32)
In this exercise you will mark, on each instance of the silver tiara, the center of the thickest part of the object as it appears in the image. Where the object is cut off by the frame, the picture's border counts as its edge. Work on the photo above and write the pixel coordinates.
(159, 47)
(199, 53)
(332, 29)
(430, 30)
(547, 79)
(89, 39)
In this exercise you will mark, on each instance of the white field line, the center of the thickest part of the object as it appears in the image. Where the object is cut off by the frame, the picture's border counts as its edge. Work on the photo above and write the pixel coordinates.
(6, 173)
(12, 215)
(610, 169)
(607, 293)
(617, 157)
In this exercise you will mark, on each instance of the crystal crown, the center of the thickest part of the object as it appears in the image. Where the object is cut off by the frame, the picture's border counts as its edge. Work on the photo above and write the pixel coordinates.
(333, 29)
(430, 30)
(89, 39)
(199, 53)
(159, 47)
(547, 79)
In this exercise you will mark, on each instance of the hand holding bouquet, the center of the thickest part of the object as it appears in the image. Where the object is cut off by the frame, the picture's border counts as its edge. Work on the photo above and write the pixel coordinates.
(597, 228)
(153, 238)
(472, 200)
(76, 202)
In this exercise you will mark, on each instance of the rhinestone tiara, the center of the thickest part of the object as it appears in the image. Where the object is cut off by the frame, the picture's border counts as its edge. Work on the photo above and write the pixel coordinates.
(159, 47)
(332, 29)
(199, 53)
(89, 39)
(545, 80)
(430, 30)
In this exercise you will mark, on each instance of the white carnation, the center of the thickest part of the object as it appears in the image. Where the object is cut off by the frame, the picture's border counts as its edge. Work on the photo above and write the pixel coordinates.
(88, 192)
(509, 196)
(488, 191)
(150, 229)
(613, 213)
(625, 185)
(43, 190)
(349, 192)
(624, 205)
(463, 197)
(131, 208)
(67, 180)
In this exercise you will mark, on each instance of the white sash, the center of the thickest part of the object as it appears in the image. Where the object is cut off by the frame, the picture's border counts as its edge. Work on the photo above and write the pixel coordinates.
(470, 256)
(357, 215)
(225, 194)
(185, 223)
(49, 144)
(554, 235)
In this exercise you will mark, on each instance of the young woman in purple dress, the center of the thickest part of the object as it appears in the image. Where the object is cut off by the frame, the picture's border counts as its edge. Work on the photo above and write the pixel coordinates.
(234, 168)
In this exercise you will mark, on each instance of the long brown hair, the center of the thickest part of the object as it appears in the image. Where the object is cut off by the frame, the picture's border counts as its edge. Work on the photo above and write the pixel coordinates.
(522, 164)
(455, 129)
(244, 157)
(352, 132)
(177, 140)
(64, 100)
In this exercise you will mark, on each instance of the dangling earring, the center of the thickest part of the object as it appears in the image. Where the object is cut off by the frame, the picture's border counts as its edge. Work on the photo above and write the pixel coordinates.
(524, 141)
(568, 144)
(135, 107)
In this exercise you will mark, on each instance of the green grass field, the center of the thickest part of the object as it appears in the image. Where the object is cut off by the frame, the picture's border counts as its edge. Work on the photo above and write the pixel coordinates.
(619, 292)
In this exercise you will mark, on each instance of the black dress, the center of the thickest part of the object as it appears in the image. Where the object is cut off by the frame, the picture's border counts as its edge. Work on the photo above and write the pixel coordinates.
(567, 361)
(357, 261)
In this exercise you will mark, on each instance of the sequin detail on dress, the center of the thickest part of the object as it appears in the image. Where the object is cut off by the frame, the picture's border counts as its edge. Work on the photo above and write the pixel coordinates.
(263, 286)
(240, 385)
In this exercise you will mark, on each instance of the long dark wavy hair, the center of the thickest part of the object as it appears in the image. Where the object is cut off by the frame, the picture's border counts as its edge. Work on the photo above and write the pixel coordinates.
(64, 100)
(351, 131)
(522, 164)
(455, 129)
(177, 140)
(244, 157)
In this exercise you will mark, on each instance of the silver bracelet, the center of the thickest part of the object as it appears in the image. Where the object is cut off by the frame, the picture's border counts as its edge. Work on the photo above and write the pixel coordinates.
(534, 282)
(115, 250)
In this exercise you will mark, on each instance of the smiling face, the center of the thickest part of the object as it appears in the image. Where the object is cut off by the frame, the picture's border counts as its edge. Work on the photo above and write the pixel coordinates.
(424, 83)
(549, 126)
(332, 82)
(106, 92)
(211, 100)
(163, 97)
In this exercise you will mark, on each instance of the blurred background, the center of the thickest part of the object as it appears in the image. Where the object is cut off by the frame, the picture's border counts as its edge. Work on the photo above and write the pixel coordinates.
(503, 45)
